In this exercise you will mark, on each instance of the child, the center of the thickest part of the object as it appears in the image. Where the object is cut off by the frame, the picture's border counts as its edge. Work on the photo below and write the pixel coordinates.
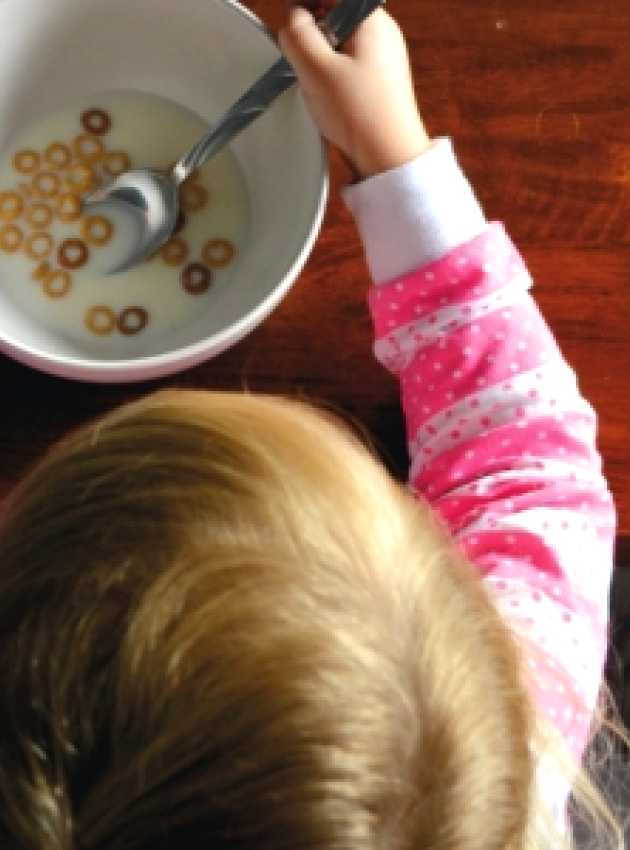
(223, 625)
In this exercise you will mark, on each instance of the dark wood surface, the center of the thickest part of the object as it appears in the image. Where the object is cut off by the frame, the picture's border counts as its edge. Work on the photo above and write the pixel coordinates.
(536, 96)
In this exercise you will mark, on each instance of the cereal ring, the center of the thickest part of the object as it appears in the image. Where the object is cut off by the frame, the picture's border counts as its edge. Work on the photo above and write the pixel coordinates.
(96, 121)
(116, 162)
(26, 161)
(58, 155)
(42, 271)
(196, 278)
(46, 184)
(100, 320)
(97, 230)
(132, 320)
(175, 251)
(80, 178)
(68, 207)
(88, 148)
(11, 206)
(39, 216)
(72, 254)
(57, 284)
(217, 253)
(11, 238)
(39, 245)
(193, 196)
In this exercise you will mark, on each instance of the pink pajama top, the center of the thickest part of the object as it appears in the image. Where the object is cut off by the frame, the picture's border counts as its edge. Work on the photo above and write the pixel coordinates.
(502, 443)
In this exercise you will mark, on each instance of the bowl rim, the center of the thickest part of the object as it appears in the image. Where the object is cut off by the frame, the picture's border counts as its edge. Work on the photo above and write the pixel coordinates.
(185, 357)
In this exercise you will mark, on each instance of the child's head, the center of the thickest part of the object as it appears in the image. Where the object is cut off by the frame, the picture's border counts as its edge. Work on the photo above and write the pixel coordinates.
(222, 625)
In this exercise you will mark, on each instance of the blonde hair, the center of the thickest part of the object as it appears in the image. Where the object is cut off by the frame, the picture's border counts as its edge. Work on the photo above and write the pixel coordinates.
(222, 624)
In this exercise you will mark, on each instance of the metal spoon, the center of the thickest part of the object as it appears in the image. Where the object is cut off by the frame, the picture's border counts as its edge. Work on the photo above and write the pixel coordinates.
(153, 197)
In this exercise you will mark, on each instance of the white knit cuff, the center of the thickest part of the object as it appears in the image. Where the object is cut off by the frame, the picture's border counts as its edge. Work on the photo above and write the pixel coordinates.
(415, 214)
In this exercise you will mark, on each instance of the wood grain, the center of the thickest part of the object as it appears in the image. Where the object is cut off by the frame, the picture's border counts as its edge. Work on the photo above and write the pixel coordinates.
(536, 96)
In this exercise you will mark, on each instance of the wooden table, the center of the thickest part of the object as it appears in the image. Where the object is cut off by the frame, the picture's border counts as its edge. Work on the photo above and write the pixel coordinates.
(536, 95)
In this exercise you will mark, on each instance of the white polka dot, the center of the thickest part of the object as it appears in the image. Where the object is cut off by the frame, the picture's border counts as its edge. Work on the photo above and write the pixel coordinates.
(400, 286)
(429, 276)
(522, 346)
(475, 329)
(437, 366)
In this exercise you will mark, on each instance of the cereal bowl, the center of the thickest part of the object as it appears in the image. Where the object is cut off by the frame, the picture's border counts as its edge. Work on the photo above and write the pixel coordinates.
(200, 55)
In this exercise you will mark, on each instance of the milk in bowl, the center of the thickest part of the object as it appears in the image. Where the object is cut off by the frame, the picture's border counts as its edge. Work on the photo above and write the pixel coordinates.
(55, 254)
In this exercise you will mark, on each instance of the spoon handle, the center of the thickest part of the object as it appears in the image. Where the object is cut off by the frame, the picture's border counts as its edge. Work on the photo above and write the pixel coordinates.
(338, 26)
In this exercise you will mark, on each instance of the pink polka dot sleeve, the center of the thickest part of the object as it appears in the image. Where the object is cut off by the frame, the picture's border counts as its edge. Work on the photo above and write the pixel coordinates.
(502, 444)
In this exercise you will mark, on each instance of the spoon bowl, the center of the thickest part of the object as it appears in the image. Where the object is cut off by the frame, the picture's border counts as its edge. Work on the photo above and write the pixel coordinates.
(150, 200)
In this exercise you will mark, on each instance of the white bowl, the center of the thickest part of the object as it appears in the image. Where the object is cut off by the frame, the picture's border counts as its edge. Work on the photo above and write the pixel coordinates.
(202, 54)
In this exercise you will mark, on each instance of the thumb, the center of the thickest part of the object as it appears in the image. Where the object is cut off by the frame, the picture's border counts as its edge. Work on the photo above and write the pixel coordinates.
(304, 44)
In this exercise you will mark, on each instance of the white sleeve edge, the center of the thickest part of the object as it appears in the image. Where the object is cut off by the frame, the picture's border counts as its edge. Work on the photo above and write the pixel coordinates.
(415, 214)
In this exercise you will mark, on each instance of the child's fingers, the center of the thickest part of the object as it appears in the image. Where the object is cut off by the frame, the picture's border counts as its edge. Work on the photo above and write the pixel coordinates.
(303, 43)
(318, 8)
(377, 29)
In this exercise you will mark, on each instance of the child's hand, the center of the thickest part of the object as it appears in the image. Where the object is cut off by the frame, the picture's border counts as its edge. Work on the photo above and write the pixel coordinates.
(362, 99)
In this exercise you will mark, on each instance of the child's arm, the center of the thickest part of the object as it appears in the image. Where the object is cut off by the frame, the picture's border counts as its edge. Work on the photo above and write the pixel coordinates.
(501, 441)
